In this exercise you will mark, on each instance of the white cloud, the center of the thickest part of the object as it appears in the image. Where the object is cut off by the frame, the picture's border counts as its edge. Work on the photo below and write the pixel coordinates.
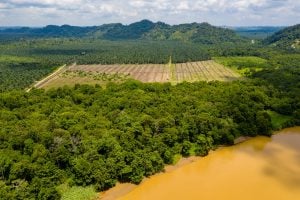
(95, 12)
(184, 5)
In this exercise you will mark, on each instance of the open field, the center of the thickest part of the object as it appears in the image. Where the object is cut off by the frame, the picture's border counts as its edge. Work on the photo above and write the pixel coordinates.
(148, 73)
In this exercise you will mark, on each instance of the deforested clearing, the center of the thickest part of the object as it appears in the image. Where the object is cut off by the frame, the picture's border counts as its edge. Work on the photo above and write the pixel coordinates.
(147, 73)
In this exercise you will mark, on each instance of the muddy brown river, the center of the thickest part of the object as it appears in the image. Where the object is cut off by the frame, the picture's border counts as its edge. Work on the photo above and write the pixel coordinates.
(260, 168)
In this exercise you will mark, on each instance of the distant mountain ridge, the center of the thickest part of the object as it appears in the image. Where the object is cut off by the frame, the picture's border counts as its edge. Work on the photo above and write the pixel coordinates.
(256, 32)
(195, 32)
(286, 38)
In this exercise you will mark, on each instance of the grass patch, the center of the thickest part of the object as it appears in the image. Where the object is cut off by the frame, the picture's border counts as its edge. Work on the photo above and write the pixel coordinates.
(15, 59)
(244, 65)
(176, 159)
(278, 120)
(77, 193)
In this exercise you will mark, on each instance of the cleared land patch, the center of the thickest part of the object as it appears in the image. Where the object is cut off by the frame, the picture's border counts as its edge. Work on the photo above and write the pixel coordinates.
(148, 73)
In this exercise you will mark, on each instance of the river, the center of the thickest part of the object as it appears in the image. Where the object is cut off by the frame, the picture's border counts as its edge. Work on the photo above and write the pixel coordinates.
(260, 168)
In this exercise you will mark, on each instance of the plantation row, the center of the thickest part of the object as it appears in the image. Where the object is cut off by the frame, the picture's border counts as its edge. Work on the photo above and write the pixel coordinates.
(22, 62)
(144, 73)
(190, 72)
(26, 61)
(204, 71)
(84, 51)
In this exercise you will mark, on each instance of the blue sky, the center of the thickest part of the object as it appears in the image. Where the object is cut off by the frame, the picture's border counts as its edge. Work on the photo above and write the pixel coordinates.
(97, 12)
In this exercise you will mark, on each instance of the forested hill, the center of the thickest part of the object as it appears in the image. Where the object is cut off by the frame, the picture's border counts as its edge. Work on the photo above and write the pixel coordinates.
(145, 29)
(287, 38)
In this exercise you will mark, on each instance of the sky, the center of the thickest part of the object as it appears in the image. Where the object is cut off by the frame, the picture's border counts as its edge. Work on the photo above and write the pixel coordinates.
(97, 12)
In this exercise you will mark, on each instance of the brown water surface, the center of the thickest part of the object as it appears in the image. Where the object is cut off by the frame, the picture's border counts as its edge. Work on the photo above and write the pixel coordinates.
(260, 168)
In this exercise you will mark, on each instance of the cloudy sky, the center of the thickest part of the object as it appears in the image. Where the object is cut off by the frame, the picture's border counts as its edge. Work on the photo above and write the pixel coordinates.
(97, 12)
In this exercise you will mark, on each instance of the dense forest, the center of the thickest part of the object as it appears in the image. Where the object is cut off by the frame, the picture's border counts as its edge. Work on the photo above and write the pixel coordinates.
(100, 135)
(89, 135)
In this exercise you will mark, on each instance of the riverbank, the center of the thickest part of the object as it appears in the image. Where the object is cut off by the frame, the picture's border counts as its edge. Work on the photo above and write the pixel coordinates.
(121, 190)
